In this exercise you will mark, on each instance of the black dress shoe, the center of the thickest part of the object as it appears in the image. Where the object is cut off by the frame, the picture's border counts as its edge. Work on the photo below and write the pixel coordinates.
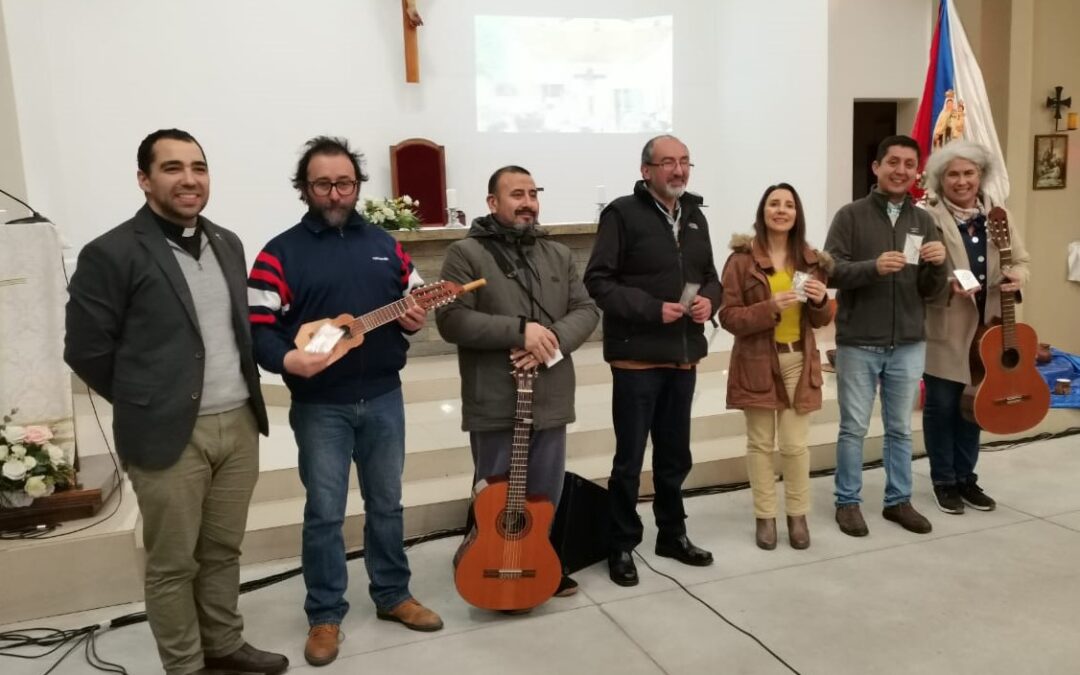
(682, 550)
(247, 659)
(622, 569)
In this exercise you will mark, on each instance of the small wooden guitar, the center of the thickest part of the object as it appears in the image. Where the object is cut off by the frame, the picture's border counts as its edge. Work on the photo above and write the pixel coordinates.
(346, 332)
(507, 562)
(1007, 394)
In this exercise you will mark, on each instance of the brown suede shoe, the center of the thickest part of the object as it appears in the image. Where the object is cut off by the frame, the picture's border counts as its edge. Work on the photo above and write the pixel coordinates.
(849, 518)
(322, 644)
(798, 533)
(412, 615)
(907, 517)
(766, 533)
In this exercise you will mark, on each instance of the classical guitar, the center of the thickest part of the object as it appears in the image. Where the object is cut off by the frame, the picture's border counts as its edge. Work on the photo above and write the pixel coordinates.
(1007, 394)
(346, 332)
(507, 562)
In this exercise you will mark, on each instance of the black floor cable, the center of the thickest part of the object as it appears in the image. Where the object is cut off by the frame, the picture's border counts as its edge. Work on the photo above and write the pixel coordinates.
(51, 640)
(719, 614)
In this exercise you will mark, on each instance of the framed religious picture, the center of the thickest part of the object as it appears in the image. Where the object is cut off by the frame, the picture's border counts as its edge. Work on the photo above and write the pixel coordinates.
(1051, 158)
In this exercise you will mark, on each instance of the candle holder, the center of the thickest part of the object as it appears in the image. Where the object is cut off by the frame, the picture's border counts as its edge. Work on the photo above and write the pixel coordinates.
(452, 215)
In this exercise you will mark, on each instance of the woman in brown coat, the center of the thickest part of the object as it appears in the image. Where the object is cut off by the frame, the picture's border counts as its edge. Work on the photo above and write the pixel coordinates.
(775, 371)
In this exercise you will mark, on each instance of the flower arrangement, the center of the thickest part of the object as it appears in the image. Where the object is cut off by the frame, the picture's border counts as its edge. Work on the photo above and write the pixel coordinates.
(30, 466)
(399, 213)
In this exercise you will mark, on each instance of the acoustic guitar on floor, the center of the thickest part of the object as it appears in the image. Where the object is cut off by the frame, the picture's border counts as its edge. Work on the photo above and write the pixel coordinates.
(1007, 394)
(507, 562)
(345, 332)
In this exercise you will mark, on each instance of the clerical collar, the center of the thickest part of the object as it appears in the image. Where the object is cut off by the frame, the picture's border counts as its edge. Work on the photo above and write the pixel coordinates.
(187, 238)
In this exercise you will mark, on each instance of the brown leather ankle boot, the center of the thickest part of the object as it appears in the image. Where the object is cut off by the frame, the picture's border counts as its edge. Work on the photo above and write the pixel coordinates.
(766, 533)
(798, 532)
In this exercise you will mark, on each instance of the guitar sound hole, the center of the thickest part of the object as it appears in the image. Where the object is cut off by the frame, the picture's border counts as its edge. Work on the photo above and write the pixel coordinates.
(1010, 358)
(513, 525)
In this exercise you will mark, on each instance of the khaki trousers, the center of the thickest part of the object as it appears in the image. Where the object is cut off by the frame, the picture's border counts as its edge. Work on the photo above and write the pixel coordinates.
(194, 516)
(767, 428)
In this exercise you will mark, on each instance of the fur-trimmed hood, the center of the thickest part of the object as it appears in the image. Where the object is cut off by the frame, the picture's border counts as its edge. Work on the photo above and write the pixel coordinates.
(744, 243)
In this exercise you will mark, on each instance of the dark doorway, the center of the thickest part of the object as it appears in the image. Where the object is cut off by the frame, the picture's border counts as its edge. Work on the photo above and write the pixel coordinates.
(873, 121)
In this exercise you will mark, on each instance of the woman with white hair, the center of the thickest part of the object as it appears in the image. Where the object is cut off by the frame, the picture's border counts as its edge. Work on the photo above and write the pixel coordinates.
(954, 174)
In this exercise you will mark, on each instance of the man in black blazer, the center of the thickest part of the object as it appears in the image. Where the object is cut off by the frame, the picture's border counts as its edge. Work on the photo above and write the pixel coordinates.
(157, 325)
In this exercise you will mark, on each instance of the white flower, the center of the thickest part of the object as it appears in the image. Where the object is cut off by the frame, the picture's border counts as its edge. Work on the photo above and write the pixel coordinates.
(29, 462)
(18, 451)
(377, 217)
(3, 451)
(408, 200)
(56, 454)
(416, 203)
(13, 469)
(14, 434)
(388, 212)
(36, 487)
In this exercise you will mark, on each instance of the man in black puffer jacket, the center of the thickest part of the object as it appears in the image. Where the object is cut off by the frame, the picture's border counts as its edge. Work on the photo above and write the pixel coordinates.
(652, 274)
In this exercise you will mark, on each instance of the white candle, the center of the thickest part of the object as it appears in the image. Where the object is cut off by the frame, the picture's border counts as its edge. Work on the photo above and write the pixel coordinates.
(601, 197)
(451, 198)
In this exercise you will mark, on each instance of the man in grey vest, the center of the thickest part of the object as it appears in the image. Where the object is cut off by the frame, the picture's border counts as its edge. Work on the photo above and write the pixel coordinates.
(157, 325)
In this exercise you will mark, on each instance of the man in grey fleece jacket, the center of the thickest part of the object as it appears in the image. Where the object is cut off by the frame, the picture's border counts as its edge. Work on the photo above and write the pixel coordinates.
(879, 328)
(522, 321)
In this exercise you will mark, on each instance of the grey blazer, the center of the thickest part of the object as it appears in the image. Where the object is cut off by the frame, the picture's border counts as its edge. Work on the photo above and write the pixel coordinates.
(133, 336)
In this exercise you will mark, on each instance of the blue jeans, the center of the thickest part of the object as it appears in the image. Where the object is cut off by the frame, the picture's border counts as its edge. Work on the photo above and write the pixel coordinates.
(330, 437)
(952, 443)
(858, 372)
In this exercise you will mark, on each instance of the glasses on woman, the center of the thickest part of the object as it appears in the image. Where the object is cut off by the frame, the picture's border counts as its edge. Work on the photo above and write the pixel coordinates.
(344, 188)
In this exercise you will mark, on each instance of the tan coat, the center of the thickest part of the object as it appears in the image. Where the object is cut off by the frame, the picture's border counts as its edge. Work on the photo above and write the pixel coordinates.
(951, 321)
(754, 379)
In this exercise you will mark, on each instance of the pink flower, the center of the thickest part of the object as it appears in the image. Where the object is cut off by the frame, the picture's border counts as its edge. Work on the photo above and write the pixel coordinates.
(37, 435)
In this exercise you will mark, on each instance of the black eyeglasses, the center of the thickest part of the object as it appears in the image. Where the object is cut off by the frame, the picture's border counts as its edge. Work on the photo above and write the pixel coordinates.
(669, 163)
(344, 187)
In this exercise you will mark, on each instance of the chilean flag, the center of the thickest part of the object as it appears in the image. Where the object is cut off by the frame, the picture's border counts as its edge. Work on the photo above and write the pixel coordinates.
(954, 103)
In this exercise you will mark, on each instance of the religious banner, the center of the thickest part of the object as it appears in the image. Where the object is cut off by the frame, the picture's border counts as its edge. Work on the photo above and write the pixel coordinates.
(954, 103)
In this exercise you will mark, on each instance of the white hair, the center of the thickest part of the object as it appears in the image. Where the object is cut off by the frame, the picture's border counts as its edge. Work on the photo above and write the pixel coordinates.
(976, 153)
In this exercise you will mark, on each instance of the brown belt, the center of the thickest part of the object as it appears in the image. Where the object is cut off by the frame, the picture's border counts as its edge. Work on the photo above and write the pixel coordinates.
(789, 347)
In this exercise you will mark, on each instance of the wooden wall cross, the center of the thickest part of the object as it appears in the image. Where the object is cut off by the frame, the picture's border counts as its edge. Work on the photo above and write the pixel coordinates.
(410, 21)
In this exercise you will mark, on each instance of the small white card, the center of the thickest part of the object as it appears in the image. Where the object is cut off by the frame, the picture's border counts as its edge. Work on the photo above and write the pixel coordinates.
(911, 248)
(966, 279)
(798, 284)
(554, 359)
(324, 339)
(689, 292)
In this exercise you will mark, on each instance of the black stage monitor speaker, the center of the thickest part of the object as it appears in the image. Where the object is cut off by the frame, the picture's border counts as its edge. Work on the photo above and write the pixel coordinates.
(580, 533)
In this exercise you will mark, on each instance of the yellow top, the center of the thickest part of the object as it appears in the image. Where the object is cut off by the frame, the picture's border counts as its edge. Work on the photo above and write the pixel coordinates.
(788, 328)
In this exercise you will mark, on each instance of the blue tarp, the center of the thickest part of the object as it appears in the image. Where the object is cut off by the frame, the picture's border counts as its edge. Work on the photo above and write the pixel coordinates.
(1067, 366)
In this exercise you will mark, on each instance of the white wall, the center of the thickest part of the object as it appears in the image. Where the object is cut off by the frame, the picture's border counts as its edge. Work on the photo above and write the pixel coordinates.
(878, 49)
(763, 93)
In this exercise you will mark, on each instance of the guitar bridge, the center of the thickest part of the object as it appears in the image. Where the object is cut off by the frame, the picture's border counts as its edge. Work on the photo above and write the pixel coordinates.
(1012, 400)
(509, 574)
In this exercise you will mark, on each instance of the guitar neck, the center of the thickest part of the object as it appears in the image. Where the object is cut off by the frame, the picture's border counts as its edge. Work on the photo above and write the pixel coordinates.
(381, 316)
(519, 454)
(1008, 305)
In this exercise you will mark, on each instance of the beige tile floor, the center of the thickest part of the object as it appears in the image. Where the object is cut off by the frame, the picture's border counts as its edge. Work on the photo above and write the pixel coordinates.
(993, 593)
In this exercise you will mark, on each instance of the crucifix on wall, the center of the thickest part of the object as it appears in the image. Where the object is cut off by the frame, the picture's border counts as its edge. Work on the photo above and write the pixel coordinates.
(410, 21)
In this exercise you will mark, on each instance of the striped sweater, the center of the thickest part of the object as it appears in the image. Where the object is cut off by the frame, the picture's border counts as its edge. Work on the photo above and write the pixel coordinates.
(313, 271)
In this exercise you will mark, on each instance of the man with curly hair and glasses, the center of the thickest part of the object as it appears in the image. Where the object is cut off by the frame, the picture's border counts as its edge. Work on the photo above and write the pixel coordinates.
(350, 411)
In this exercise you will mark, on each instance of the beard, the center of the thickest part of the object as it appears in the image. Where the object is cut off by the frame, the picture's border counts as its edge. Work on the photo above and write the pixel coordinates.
(673, 192)
(336, 216)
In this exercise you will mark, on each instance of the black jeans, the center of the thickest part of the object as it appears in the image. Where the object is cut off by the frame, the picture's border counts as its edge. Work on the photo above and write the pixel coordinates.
(655, 401)
(952, 443)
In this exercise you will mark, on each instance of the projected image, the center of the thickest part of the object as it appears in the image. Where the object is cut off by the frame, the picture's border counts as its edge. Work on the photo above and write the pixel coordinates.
(545, 74)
